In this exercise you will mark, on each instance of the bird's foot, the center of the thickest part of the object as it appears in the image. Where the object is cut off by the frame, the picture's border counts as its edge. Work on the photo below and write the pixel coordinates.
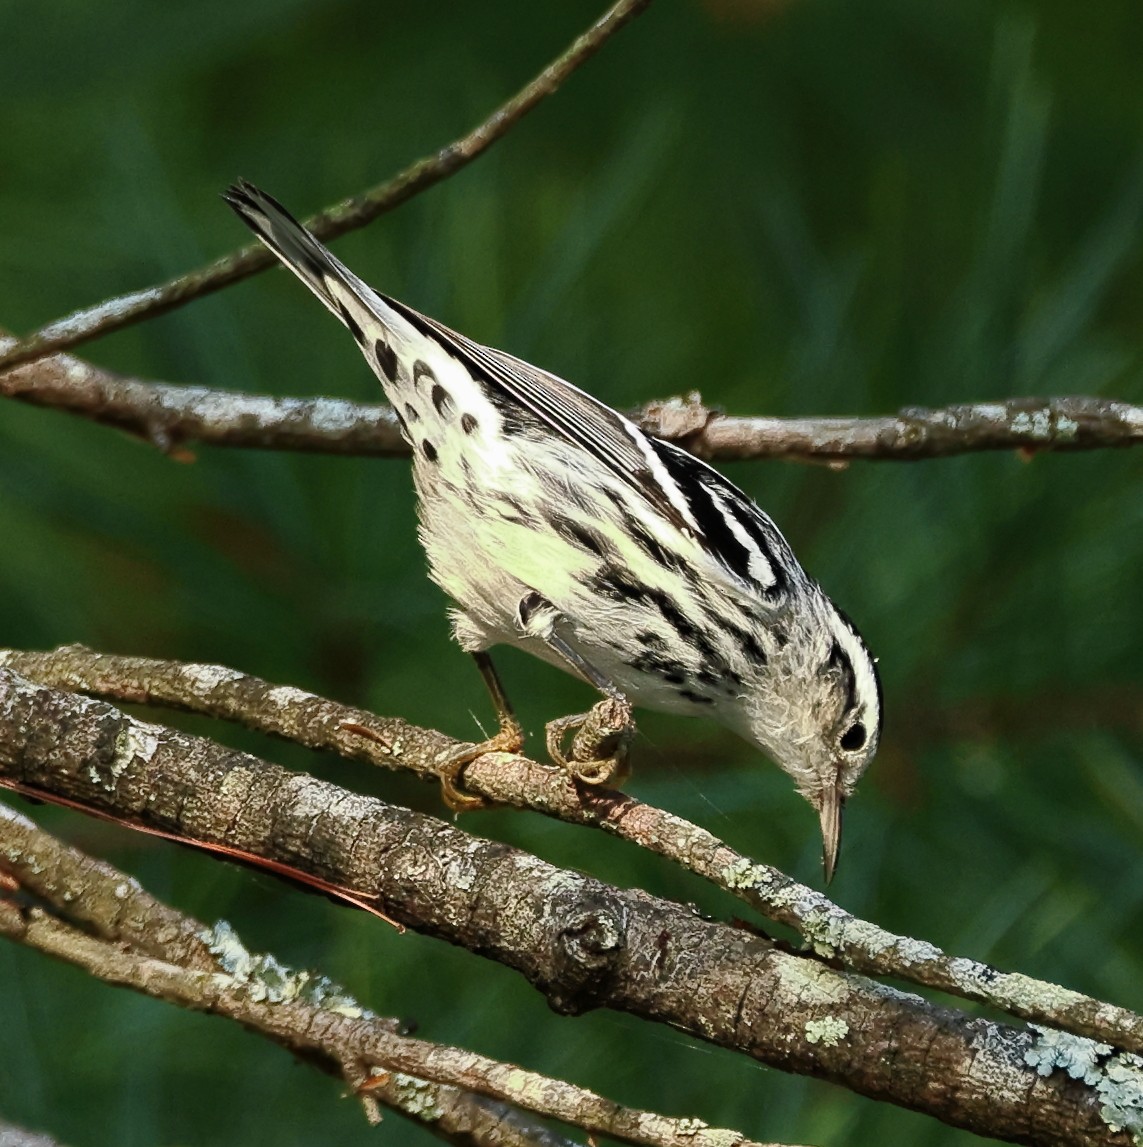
(600, 749)
(509, 739)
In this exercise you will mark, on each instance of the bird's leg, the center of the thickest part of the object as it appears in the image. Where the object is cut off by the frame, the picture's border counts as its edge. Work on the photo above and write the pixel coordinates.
(599, 750)
(509, 738)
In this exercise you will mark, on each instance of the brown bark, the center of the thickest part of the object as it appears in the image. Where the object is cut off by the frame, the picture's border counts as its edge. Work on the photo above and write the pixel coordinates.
(582, 943)
(171, 417)
(826, 927)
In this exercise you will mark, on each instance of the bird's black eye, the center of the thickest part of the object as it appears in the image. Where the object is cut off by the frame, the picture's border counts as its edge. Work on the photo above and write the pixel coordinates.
(853, 738)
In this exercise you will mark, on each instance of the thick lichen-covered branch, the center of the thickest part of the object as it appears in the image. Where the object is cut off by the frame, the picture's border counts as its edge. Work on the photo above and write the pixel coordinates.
(583, 943)
(101, 920)
(506, 778)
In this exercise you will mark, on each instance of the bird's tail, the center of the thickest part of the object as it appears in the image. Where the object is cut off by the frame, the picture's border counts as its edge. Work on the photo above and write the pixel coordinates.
(358, 306)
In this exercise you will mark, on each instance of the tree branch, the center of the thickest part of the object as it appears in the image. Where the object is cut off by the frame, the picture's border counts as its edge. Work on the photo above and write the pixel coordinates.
(114, 314)
(169, 416)
(827, 929)
(131, 939)
(582, 943)
(1025, 424)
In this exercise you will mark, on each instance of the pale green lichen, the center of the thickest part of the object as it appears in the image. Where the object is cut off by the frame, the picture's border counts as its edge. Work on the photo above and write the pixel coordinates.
(830, 930)
(1079, 1057)
(814, 986)
(1116, 1078)
(740, 874)
(829, 1031)
(1026, 993)
(744, 873)
(266, 980)
(825, 930)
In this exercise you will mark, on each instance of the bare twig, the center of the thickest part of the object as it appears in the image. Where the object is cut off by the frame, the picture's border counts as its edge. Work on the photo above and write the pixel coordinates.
(504, 778)
(357, 1041)
(169, 416)
(1026, 424)
(356, 211)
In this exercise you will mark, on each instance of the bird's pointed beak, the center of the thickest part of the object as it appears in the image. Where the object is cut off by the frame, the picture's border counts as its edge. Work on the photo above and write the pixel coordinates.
(833, 802)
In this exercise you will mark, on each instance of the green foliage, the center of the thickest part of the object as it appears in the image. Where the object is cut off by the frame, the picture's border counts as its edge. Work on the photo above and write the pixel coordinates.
(794, 207)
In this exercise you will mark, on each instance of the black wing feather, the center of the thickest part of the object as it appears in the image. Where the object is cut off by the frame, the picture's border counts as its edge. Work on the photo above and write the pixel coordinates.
(705, 502)
(694, 498)
(590, 424)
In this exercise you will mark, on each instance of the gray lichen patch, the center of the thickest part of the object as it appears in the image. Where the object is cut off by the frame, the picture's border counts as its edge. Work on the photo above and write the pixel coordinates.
(1116, 1078)
(209, 677)
(417, 1097)
(833, 930)
(286, 696)
(266, 980)
(136, 740)
(82, 321)
(333, 415)
(1044, 425)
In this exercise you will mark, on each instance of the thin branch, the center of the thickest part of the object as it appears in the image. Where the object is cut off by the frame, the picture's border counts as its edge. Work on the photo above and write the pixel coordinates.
(92, 322)
(170, 416)
(583, 943)
(829, 930)
(308, 1029)
(139, 942)
(1026, 424)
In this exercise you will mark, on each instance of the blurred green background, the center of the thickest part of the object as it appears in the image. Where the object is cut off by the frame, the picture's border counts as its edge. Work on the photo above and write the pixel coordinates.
(801, 207)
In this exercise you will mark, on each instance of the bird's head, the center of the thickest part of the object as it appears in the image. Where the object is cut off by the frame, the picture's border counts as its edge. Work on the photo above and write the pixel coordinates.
(817, 713)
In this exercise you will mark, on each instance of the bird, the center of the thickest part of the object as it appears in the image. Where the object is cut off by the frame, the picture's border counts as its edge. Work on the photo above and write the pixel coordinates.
(556, 525)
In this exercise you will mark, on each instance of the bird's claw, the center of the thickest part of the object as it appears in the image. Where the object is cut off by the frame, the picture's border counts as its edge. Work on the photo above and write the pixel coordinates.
(600, 748)
(508, 739)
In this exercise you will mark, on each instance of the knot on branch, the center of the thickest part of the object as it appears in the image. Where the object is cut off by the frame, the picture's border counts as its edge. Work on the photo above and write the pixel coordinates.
(590, 937)
(680, 420)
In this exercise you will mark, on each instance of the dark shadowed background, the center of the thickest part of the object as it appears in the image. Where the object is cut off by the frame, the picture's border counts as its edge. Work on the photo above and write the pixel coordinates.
(805, 207)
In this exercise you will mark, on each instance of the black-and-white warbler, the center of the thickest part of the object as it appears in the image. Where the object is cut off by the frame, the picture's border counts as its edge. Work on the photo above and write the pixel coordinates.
(557, 526)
